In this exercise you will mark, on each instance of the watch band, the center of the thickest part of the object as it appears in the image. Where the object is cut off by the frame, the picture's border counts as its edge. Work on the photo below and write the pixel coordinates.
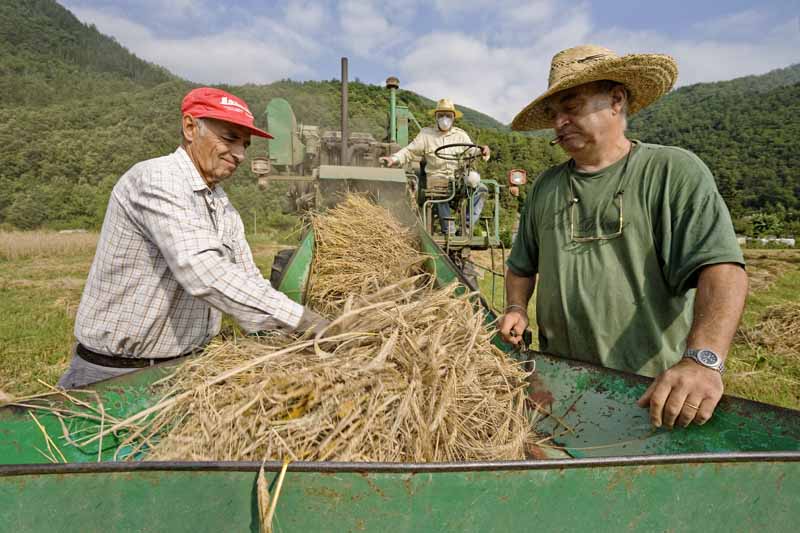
(701, 357)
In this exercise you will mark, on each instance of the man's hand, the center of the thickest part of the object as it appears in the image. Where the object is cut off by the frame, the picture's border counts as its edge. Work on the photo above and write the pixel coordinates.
(512, 325)
(312, 322)
(485, 152)
(387, 161)
(686, 393)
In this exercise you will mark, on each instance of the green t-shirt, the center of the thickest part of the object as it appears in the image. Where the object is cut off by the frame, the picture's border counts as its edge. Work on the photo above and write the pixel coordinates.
(625, 302)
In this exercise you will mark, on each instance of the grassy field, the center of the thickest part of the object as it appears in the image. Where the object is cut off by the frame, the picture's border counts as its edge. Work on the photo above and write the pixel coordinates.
(42, 275)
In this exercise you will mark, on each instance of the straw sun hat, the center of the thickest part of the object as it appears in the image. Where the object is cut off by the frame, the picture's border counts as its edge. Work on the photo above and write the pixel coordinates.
(646, 76)
(445, 104)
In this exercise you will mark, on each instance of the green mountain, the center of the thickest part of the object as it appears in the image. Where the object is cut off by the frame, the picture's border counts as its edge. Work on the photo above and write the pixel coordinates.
(746, 130)
(79, 110)
(49, 55)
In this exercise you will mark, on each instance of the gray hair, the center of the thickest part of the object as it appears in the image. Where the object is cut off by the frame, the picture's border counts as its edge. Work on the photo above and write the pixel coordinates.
(606, 86)
(201, 127)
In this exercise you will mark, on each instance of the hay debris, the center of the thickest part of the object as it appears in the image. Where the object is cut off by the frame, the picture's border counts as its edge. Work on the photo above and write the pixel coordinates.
(777, 330)
(359, 249)
(406, 372)
(409, 382)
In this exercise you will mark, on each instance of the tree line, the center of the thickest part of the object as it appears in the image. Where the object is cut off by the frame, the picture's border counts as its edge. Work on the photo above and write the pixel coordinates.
(79, 109)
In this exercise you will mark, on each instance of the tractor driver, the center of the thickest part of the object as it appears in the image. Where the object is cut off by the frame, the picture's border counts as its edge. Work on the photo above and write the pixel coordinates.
(658, 292)
(172, 255)
(439, 171)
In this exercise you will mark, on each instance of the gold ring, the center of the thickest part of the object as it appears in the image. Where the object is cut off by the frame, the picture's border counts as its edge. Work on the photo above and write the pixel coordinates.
(693, 406)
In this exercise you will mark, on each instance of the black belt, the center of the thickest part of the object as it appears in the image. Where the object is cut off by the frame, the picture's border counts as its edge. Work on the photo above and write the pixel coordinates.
(122, 362)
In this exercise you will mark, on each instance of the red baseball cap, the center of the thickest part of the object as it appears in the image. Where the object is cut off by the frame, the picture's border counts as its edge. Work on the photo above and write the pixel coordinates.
(208, 102)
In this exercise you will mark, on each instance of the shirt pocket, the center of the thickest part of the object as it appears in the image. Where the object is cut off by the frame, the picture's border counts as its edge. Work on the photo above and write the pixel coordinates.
(230, 250)
(229, 244)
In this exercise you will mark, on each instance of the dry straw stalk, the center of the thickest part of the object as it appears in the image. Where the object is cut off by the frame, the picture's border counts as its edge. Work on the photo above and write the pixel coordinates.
(406, 372)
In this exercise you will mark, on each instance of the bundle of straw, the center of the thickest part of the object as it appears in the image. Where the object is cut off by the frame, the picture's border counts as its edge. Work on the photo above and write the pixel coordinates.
(406, 372)
(359, 248)
(414, 378)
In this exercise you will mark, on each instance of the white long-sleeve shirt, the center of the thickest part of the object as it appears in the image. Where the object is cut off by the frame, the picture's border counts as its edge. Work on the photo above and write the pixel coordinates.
(172, 257)
(424, 145)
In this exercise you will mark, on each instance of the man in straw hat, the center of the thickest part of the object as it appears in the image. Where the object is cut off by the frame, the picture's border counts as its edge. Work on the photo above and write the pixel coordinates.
(632, 246)
(172, 255)
(439, 171)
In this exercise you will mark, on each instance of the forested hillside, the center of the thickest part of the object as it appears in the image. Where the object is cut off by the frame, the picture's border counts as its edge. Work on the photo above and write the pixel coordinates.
(78, 110)
(747, 131)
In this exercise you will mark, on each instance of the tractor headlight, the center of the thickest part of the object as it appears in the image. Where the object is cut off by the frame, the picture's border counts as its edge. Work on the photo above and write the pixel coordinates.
(517, 177)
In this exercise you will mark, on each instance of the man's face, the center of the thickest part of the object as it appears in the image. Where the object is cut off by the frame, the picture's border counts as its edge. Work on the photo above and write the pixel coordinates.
(216, 148)
(445, 119)
(582, 116)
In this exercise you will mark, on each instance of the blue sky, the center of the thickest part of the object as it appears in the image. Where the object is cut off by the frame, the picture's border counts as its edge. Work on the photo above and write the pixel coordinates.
(491, 55)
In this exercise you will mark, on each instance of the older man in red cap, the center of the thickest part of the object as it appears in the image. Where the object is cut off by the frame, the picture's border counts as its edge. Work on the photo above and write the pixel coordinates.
(172, 256)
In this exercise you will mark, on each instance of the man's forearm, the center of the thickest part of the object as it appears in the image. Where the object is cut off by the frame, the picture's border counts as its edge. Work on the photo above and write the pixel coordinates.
(519, 289)
(416, 149)
(718, 306)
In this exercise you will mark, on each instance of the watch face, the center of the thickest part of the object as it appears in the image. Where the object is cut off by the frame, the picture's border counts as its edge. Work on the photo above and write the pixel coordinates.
(708, 358)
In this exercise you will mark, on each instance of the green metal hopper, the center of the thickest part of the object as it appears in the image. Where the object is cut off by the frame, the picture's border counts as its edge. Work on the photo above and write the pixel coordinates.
(608, 470)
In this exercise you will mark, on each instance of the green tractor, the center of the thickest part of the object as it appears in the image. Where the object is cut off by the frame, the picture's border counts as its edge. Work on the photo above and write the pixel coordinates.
(320, 164)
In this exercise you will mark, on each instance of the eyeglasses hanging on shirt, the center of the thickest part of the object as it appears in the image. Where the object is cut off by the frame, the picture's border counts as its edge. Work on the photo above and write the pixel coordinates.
(573, 238)
(618, 196)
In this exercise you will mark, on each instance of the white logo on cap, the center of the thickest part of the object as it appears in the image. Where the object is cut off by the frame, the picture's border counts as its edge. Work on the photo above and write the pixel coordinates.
(232, 103)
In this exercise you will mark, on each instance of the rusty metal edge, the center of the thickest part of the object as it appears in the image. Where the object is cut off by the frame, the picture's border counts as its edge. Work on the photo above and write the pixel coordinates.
(398, 468)
(639, 380)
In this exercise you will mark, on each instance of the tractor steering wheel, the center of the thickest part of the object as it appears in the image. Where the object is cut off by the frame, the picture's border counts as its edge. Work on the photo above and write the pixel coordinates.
(469, 152)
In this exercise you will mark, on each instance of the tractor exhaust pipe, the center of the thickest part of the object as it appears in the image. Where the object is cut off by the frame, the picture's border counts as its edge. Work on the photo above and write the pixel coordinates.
(392, 83)
(344, 159)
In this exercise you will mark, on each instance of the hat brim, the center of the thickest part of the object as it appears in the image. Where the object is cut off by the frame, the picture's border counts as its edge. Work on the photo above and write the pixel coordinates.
(457, 113)
(646, 76)
(227, 118)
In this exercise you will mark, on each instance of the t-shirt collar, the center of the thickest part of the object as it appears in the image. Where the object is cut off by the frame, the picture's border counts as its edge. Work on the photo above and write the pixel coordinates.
(613, 167)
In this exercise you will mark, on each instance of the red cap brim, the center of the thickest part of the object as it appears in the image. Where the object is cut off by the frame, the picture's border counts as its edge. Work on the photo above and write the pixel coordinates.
(227, 118)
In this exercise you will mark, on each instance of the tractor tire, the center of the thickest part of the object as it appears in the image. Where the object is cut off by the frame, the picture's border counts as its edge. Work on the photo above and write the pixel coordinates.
(279, 264)
(471, 277)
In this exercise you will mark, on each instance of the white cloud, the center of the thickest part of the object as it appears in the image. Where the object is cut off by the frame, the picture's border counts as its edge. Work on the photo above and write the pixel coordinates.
(305, 15)
(530, 14)
(500, 76)
(368, 29)
(161, 11)
(746, 22)
(491, 55)
(470, 72)
(709, 59)
(262, 52)
(495, 78)
(452, 7)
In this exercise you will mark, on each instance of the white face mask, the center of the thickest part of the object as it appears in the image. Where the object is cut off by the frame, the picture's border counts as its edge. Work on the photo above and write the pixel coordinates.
(445, 122)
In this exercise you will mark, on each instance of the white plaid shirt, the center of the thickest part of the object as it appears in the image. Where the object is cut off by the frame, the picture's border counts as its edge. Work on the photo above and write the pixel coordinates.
(172, 258)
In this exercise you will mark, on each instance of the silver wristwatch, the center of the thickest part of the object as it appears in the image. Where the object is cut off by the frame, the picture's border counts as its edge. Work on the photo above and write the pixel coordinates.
(707, 358)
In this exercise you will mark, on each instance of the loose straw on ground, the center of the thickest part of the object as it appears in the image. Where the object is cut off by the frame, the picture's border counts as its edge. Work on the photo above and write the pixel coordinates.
(777, 330)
